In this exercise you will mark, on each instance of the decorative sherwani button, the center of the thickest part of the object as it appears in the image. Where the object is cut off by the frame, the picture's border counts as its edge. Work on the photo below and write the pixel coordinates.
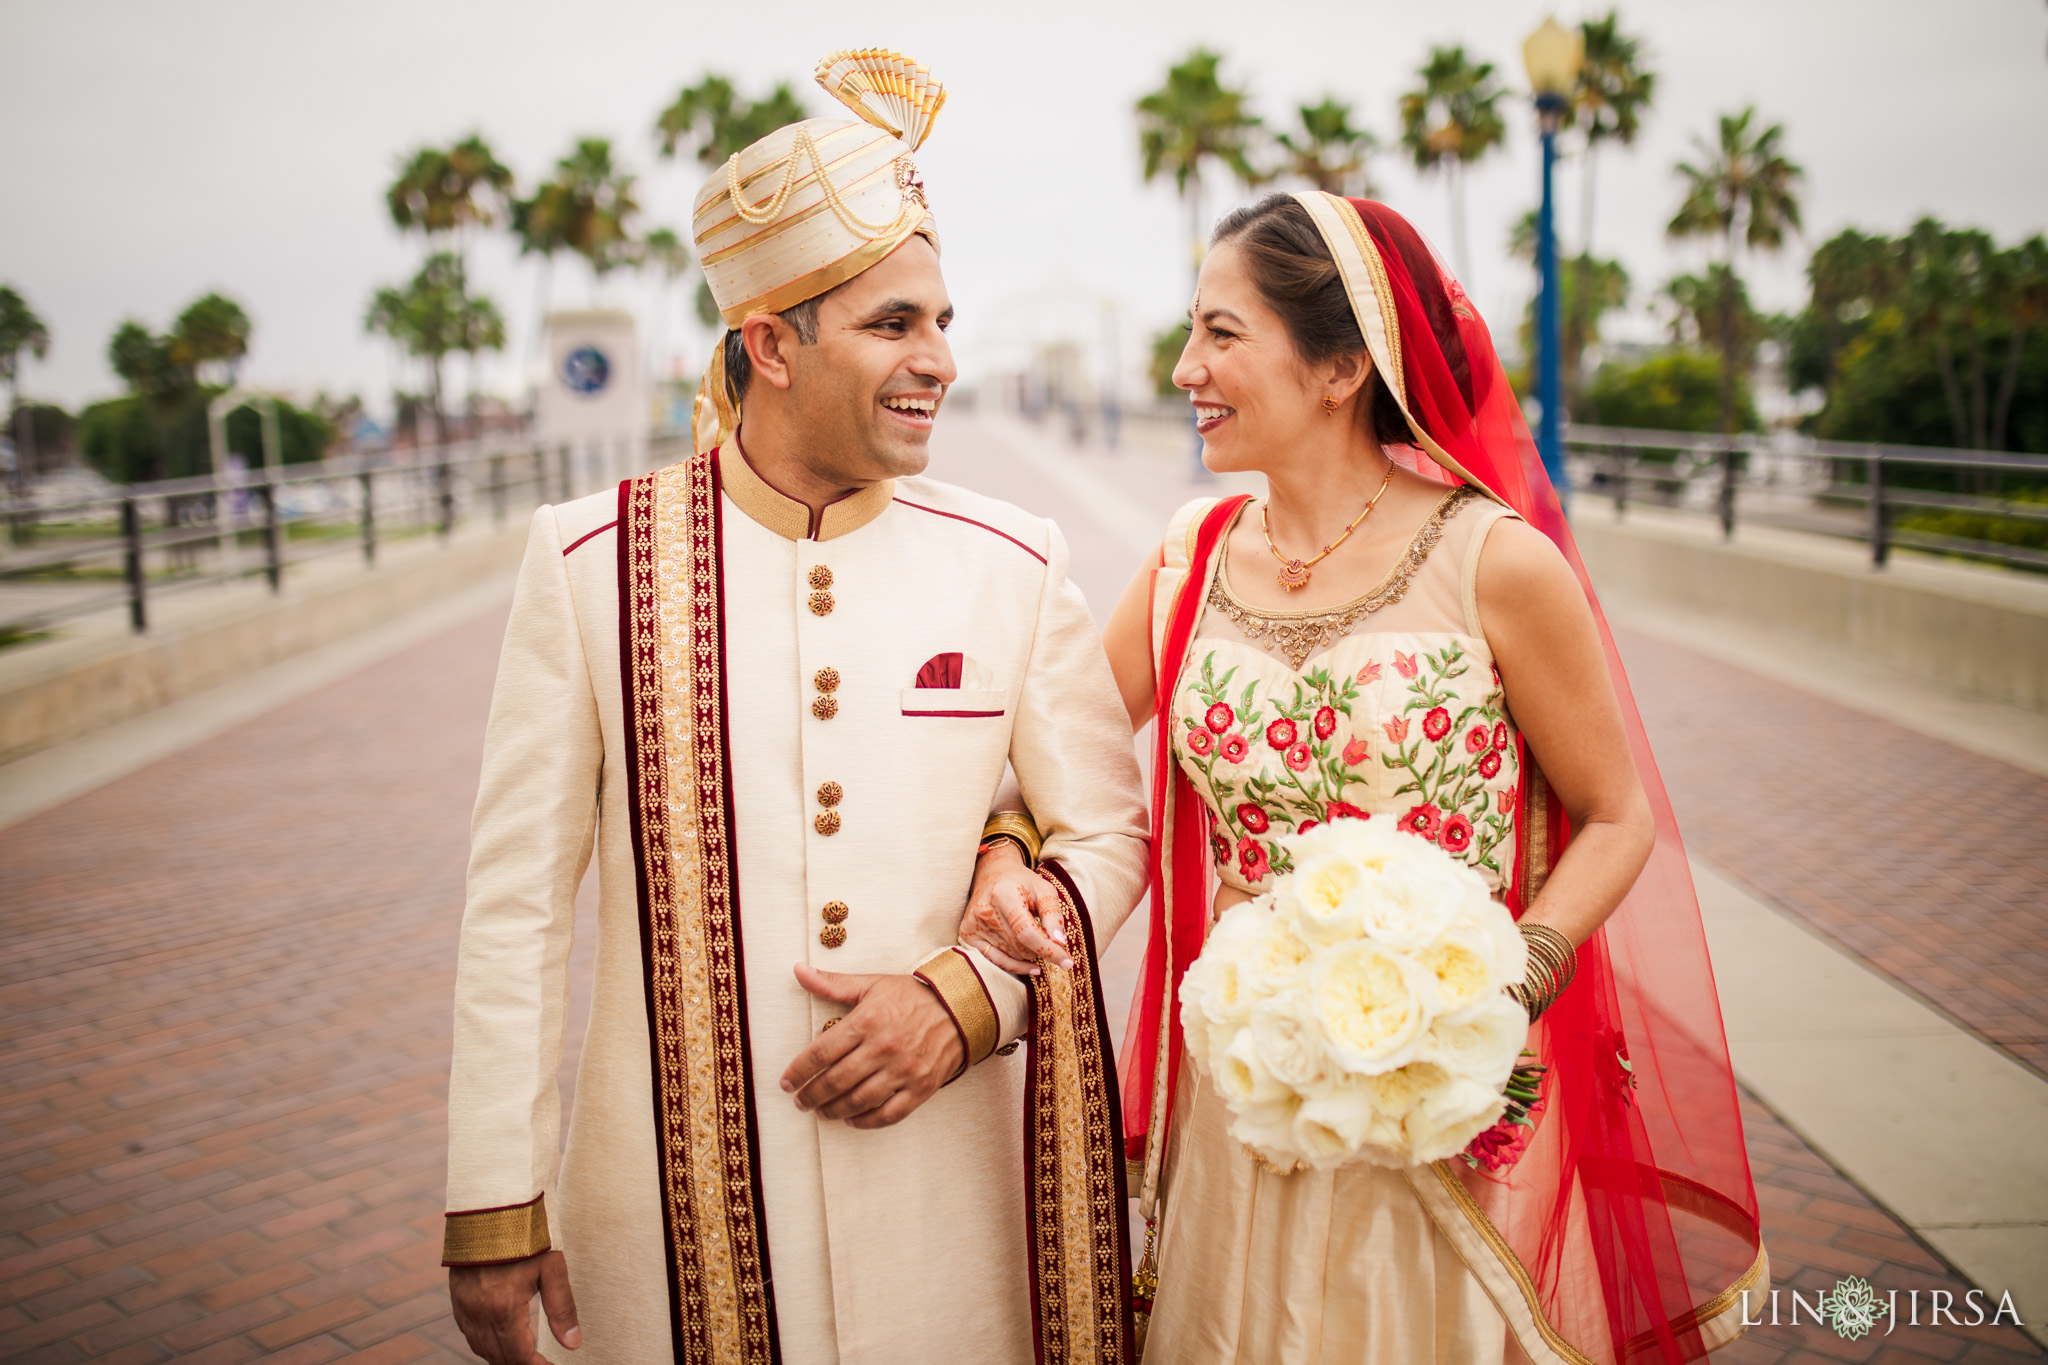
(827, 824)
(821, 576)
(824, 708)
(835, 912)
(821, 603)
(832, 936)
(829, 794)
(826, 680)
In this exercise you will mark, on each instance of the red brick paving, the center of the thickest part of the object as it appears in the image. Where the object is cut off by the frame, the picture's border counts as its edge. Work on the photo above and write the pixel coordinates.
(226, 1004)
(1927, 862)
(226, 1043)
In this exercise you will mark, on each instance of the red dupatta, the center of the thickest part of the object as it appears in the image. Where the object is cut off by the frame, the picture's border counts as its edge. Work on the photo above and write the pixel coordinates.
(1628, 1227)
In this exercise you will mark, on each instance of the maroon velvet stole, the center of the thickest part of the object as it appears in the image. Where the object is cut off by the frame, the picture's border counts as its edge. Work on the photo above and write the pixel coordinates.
(721, 1300)
(672, 655)
(1080, 1234)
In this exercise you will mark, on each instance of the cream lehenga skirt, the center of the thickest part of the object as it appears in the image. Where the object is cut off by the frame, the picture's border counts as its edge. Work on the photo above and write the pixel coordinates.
(1315, 1268)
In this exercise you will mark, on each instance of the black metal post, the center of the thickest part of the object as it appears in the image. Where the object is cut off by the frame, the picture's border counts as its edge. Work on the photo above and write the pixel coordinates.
(444, 494)
(273, 540)
(1880, 547)
(1620, 483)
(369, 520)
(1728, 459)
(132, 565)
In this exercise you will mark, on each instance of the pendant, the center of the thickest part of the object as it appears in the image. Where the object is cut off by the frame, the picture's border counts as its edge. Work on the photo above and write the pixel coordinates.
(1295, 575)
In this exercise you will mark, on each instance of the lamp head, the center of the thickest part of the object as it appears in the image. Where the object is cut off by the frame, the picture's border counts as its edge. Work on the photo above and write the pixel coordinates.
(1553, 55)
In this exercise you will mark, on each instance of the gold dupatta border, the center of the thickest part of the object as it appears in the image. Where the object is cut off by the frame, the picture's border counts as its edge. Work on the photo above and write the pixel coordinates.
(1080, 1251)
(721, 1304)
(1486, 1253)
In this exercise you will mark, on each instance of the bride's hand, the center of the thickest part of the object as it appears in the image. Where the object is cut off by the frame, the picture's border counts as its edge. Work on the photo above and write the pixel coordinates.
(1013, 914)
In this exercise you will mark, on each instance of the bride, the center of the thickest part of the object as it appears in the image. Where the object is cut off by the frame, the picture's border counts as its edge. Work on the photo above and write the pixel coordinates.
(1401, 630)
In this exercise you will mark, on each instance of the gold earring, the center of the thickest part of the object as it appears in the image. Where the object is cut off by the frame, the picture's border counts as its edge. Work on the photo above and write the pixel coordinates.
(1329, 403)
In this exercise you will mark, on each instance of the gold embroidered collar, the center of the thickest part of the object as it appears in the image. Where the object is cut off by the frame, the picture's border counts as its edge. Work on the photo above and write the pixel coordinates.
(787, 517)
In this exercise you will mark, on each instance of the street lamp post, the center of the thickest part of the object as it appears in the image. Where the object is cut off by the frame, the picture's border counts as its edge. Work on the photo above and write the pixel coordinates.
(1553, 55)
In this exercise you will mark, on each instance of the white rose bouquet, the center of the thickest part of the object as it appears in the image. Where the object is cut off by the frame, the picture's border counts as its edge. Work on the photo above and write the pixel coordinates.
(1355, 1012)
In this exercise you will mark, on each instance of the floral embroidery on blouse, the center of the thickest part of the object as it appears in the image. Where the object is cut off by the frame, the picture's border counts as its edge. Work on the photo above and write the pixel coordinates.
(1422, 737)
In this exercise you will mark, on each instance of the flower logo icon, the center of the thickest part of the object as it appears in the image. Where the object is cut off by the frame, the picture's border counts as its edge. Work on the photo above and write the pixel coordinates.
(1853, 1309)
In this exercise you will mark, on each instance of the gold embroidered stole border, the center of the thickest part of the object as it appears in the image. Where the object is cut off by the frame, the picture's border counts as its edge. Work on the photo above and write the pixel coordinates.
(1298, 634)
(1079, 1271)
(697, 1001)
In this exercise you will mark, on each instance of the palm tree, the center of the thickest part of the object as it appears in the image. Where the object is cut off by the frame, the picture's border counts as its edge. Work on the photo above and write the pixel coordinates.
(1190, 121)
(213, 330)
(1742, 190)
(1613, 92)
(449, 189)
(2023, 272)
(587, 208)
(1450, 121)
(433, 316)
(710, 114)
(1330, 154)
(20, 330)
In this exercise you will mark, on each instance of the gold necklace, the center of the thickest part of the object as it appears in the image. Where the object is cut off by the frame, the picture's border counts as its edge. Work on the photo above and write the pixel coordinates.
(1294, 573)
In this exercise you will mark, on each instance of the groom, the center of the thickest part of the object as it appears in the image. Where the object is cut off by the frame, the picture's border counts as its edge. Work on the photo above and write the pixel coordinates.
(777, 686)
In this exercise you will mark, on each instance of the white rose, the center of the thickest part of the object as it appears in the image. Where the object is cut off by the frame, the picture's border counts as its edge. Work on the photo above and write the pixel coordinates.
(1325, 892)
(1413, 899)
(1475, 956)
(1268, 1129)
(1242, 1076)
(1277, 957)
(1483, 1045)
(1399, 1092)
(1449, 1118)
(1288, 1042)
(1331, 1127)
(1367, 1004)
(1215, 981)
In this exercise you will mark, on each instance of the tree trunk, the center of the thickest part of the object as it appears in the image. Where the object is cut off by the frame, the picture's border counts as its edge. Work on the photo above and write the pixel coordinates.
(1728, 347)
(1980, 398)
(2007, 384)
(1953, 391)
(1586, 204)
(1464, 254)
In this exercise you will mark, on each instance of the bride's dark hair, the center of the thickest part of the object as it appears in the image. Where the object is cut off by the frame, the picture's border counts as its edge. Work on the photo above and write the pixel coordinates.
(1294, 272)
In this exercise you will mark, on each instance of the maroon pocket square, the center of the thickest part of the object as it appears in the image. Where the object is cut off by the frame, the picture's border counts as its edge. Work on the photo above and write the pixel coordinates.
(941, 670)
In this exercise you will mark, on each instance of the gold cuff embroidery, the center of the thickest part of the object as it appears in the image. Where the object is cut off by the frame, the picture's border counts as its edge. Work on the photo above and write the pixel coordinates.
(492, 1236)
(959, 989)
(1017, 824)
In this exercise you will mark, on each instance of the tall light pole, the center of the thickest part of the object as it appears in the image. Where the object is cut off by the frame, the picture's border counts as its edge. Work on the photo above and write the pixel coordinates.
(1553, 55)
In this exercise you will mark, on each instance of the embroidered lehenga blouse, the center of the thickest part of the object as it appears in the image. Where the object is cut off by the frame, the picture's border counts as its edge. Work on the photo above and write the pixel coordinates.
(1389, 707)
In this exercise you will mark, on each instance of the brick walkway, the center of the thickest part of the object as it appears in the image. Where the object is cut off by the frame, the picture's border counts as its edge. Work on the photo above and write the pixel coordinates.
(226, 1000)
(1928, 862)
(226, 996)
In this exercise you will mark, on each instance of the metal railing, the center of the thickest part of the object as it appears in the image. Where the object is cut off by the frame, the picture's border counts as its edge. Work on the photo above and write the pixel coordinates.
(70, 558)
(1854, 490)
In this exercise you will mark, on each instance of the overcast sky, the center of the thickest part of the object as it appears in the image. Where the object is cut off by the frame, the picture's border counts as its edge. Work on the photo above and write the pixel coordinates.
(153, 152)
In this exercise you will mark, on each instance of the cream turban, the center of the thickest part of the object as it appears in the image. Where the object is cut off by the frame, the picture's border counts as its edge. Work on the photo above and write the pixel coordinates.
(813, 204)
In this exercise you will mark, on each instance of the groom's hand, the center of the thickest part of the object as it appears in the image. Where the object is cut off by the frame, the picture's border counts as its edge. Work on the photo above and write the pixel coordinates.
(493, 1303)
(882, 1060)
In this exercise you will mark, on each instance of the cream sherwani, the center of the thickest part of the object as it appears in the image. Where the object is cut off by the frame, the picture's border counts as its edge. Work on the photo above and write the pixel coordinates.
(856, 795)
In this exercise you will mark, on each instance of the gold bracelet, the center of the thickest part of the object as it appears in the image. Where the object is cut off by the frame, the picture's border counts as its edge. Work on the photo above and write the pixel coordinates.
(1015, 824)
(1552, 964)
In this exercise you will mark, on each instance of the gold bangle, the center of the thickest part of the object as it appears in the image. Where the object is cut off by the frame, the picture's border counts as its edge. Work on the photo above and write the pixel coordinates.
(1015, 824)
(1552, 964)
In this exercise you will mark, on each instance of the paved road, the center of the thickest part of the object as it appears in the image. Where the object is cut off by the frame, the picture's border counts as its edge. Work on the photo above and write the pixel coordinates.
(226, 990)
